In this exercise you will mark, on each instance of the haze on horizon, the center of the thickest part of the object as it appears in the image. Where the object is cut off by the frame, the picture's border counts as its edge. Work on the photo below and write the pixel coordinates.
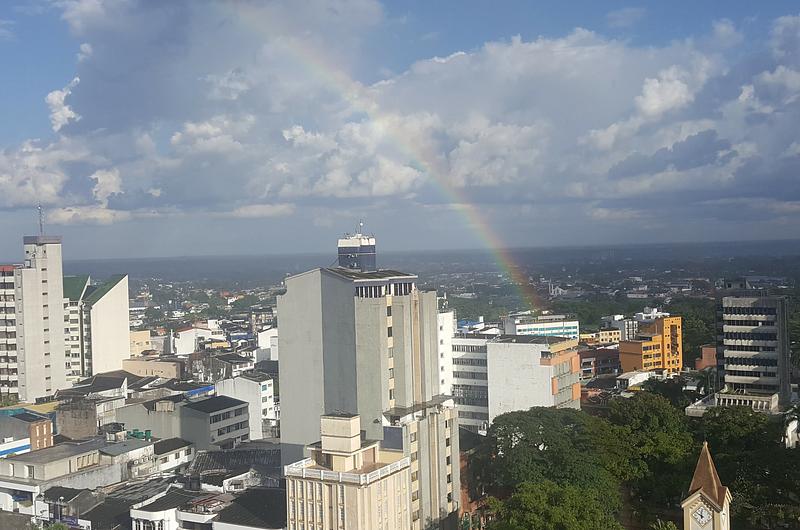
(202, 128)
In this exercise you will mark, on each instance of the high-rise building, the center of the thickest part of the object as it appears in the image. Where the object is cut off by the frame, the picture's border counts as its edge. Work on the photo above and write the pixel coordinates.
(98, 338)
(348, 483)
(657, 346)
(756, 351)
(493, 375)
(542, 325)
(32, 327)
(357, 252)
(367, 343)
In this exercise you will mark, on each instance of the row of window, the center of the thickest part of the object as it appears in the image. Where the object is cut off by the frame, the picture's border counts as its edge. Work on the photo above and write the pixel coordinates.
(750, 336)
(750, 310)
(468, 348)
(470, 375)
(752, 323)
(464, 361)
(743, 361)
(232, 428)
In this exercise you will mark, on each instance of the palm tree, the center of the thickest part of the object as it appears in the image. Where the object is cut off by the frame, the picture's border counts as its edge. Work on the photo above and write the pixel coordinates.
(707, 383)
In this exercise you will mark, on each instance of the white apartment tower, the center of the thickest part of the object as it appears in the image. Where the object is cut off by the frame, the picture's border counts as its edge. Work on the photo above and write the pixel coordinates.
(98, 337)
(32, 360)
(368, 343)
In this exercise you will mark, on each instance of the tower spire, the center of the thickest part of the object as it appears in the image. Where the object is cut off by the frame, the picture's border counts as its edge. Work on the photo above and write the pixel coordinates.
(41, 217)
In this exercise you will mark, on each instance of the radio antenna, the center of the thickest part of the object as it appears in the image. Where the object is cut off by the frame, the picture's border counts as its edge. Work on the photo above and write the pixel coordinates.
(41, 218)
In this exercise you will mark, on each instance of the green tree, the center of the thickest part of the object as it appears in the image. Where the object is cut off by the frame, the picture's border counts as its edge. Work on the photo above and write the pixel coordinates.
(736, 429)
(698, 316)
(565, 446)
(671, 389)
(663, 525)
(550, 506)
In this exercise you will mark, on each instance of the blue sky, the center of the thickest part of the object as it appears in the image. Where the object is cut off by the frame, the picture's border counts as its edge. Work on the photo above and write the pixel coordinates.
(188, 127)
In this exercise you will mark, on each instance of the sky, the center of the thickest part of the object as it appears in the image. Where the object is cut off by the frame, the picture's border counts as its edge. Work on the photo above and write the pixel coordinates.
(193, 127)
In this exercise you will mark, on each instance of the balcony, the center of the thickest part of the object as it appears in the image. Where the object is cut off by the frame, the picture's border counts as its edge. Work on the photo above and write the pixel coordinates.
(307, 469)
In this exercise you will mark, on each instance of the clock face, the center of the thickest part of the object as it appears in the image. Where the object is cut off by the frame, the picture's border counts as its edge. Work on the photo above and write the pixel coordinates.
(702, 516)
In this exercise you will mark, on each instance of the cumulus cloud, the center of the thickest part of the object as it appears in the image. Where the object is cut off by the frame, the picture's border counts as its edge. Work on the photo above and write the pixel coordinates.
(255, 111)
(61, 113)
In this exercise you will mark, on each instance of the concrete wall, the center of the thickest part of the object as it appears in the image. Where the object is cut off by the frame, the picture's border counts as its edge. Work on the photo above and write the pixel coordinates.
(249, 391)
(165, 369)
(40, 330)
(446, 322)
(517, 380)
(140, 341)
(110, 335)
(77, 420)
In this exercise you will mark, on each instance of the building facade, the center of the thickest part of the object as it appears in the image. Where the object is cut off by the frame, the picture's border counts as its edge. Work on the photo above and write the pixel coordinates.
(357, 252)
(257, 389)
(657, 346)
(32, 353)
(543, 326)
(99, 335)
(755, 347)
(367, 343)
(347, 483)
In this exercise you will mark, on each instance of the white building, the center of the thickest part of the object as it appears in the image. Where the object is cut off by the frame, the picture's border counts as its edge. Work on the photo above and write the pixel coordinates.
(187, 340)
(11, 446)
(447, 324)
(650, 314)
(267, 342)
(32, 358)
(493, 375)
(255, 388)
(628, 327)
(99, 333)
(543, 325)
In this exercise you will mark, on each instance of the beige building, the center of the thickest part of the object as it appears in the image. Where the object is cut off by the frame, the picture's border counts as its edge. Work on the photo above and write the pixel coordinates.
(140, 342)
(348, 483)
(168, 369)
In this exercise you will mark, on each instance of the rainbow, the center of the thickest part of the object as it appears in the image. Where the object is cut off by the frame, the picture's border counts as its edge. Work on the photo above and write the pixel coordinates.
(419, 155)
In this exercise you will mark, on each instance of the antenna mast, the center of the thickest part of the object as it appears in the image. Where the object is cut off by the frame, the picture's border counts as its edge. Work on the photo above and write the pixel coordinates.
(41, 218)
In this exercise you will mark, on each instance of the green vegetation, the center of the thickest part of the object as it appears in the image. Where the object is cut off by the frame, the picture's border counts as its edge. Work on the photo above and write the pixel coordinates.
(532, 464)
(699, 320)
(589, 311)
(548, 506)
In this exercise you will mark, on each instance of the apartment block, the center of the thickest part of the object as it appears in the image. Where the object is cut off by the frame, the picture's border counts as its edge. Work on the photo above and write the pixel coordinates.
(32, 317)
(542, 325)
(99, 336)
(495, 374)
(368, 343)
(348, 482)
(256, 388)
(657, 346)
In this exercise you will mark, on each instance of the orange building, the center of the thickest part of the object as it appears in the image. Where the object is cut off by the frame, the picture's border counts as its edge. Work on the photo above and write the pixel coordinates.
(658, 346)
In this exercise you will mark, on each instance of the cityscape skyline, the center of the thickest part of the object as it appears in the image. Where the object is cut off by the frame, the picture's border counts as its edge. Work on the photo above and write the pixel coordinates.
(657, 125)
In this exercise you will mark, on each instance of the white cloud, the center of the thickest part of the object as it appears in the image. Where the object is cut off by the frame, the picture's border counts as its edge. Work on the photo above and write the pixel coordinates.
(93, 214)
(107, 183)
(61, 113)
(725, 34)
(255, 211)
(625, 17)
(85, 52)
(669, 91)
(6, 33)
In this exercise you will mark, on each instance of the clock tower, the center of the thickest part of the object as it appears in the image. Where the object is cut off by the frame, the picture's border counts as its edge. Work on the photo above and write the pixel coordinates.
(708, 505)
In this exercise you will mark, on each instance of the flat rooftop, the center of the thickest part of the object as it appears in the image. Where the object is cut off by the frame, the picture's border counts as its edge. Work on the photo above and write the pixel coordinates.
(215, 404)
(529, 339)
(60, 451)
(383, 274)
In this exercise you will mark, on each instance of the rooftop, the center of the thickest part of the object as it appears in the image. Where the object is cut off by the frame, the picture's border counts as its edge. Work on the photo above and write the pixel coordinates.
(215, 404)
(29, 417)
(99, 291)
(120, 448)
(257, 508)
(529, 339)
(111, 513)
(257, 375)
(169, 445)
(233, 358)
(208, 461)
(61, 493)
(174, 498)
(74, 287)
(60, 451)
(383, 274)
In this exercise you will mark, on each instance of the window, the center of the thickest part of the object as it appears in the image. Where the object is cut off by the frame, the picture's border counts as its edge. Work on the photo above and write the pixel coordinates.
(388, 310)
(391, 373)
(413, 437)
(389, 331)
(391, 393)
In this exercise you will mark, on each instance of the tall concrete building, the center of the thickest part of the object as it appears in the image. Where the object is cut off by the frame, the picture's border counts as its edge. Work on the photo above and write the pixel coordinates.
(367, 343)
(357, 252)
(32, 359)
(657, 346)
(98, 338)
(756, 351)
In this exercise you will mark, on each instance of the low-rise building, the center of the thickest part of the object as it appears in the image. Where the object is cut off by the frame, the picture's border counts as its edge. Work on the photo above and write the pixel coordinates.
(36, 429)
(172, 453)
(657, 346)
(166, 367)
(348, 482)
(256, 388)
(599, 361)
(543, 325)
(211, 423)
(140, 342)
